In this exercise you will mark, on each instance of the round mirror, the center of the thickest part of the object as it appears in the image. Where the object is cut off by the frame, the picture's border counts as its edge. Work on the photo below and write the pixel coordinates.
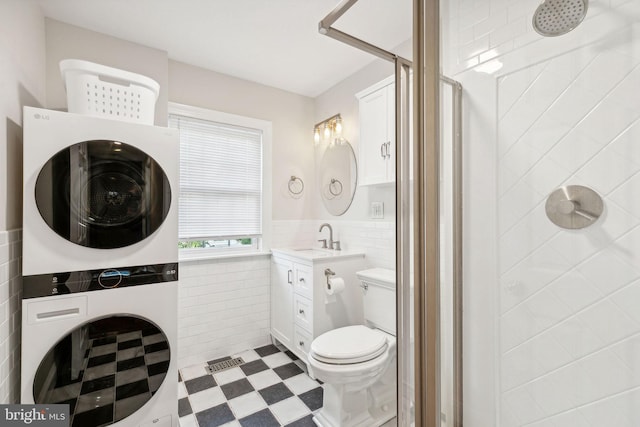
(338, 177)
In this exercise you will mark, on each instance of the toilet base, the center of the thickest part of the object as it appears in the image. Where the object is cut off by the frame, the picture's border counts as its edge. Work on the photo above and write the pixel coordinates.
(355, 408)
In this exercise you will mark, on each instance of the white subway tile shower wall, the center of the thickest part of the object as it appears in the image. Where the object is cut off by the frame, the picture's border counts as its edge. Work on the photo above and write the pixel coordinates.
(569, 323)
(223, 307)
(480, 30)
(10, 320)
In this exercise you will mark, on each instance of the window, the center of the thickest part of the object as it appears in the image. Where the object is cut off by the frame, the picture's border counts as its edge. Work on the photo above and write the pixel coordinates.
(222, 180)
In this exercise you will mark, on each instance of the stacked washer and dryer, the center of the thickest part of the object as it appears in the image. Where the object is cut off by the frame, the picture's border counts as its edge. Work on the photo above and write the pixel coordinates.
(100, 256)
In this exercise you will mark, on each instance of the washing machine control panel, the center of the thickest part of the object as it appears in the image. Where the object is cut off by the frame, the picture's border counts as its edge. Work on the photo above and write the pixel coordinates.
(44, 285)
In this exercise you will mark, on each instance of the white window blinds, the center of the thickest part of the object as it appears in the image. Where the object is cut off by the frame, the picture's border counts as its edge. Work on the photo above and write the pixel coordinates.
(220, 179)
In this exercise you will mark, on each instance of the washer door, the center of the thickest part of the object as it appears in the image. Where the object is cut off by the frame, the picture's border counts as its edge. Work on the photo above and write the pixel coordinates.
(103, 194)
(104, 370)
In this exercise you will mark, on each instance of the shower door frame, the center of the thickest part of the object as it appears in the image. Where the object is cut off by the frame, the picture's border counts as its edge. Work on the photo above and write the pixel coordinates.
(426, 212)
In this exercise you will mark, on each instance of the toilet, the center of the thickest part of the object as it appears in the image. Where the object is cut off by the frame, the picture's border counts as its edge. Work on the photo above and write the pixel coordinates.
(358, 363)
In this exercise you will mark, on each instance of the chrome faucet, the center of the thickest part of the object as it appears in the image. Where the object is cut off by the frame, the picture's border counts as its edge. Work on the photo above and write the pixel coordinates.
(332, 245)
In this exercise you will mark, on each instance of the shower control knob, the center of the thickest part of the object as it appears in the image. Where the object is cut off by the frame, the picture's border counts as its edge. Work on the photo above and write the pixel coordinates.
(574, 207)
(566, 206)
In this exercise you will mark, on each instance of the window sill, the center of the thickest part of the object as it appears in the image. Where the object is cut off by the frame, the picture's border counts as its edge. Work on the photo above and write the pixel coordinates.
(193, 257)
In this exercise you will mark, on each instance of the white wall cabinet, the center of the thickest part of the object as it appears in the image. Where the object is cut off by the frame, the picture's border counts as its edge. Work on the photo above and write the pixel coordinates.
(300, 310)
(377, 133)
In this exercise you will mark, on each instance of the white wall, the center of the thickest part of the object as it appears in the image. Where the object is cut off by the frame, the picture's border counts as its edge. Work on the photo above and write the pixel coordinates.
(341, 99)
(202, 329)
(290, 114)
(224, 304)
(294, 153)
(355, 229)
(561, 326)
(22, 76)
(22, 82)
(66, 41)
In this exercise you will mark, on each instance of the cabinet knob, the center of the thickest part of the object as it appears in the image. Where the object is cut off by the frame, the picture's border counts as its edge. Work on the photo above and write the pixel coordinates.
(301, 280)
(301, 343)
(301, 311)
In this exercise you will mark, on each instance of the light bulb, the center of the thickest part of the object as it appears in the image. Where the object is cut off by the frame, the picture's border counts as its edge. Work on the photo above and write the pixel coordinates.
(338, 126)
(327, 131)
(316, 135)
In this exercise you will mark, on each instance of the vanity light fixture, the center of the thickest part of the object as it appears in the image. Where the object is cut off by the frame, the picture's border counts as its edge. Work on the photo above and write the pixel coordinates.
(331, 128)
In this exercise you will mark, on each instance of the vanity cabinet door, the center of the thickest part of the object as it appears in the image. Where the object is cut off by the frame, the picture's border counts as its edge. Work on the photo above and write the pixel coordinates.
(282, 300)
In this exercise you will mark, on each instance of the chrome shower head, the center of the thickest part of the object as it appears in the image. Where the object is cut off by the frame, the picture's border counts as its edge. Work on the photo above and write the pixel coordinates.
(558, 17)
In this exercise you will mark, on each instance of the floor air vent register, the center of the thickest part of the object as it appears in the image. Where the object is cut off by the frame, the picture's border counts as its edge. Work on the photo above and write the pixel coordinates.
(224, 365)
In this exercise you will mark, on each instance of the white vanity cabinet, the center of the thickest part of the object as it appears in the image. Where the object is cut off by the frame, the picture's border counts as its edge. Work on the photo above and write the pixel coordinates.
(377, 133)
(300, 307)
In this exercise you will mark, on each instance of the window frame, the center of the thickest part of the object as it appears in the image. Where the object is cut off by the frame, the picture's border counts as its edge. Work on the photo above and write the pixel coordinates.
(261, 244)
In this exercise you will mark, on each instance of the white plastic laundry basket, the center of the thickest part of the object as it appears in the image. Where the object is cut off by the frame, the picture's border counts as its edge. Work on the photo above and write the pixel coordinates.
(98, 90)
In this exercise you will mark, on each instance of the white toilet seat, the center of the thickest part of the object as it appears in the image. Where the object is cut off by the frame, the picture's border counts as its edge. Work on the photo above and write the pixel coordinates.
(349, 345)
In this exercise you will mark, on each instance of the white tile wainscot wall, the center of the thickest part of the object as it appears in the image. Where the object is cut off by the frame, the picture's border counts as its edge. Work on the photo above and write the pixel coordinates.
(10, 320)
(375, 238)
(223, 307)
(224, 303)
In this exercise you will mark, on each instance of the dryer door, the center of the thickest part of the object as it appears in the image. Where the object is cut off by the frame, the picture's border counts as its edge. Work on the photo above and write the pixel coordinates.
(103, 194)
(104, 370)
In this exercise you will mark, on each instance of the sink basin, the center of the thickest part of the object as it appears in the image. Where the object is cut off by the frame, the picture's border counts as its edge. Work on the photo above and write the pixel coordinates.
(315, 253)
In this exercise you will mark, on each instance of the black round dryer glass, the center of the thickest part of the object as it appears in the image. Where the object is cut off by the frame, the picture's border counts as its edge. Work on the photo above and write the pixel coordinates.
(105, 370)
(103, 194)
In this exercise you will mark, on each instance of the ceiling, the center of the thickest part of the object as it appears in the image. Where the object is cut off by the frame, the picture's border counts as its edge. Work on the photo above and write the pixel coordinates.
(273, 42)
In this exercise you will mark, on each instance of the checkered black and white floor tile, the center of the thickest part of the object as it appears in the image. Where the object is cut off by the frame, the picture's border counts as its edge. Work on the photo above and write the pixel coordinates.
(269, 389)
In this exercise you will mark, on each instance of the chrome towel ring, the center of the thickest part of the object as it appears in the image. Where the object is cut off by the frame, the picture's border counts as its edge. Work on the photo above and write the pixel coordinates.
(296, 185)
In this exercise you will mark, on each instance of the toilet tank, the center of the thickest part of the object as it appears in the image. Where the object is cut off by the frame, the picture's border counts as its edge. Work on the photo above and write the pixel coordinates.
(379, 298)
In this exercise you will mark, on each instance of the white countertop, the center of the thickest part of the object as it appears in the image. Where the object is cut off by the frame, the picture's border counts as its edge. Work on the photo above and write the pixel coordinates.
(313, 254)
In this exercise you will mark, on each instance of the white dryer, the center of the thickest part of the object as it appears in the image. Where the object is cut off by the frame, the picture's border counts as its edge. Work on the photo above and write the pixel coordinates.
(98, 193)
(110, 354)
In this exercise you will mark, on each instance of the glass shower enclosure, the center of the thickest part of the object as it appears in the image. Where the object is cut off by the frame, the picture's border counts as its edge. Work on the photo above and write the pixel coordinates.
(518, 213)
(550, 211)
